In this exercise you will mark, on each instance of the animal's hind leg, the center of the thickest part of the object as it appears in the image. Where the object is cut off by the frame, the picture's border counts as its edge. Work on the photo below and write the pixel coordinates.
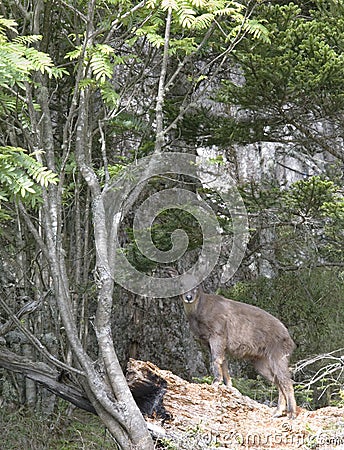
(291, 402)
(285, 384)
(282, 403)
(264, 368)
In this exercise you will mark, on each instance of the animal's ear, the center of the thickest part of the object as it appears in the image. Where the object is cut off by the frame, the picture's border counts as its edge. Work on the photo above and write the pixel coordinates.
(171, 271)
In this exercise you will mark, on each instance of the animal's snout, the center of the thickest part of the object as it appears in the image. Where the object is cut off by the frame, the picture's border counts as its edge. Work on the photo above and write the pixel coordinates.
(188, 297)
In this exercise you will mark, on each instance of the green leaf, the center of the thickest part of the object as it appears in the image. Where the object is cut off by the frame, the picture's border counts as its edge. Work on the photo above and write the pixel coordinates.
(169, 4)
(74, 54)
(109, 95)
(21, 174)
(8, 24)
(186, 15)
(39, 61)
(203, 21)
(101, 66)
(257, 30)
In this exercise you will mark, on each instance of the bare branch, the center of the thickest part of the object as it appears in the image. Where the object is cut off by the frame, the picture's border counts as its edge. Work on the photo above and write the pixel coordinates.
(35, 342)
(333, 363)
(45, 375)
(161, 88)
(28, 308)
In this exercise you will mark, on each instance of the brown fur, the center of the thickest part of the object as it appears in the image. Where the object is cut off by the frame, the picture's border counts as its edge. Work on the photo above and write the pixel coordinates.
(246, 332)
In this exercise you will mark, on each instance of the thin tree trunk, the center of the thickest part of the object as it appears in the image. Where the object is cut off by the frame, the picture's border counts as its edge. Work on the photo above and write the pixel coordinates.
(131, 418)
(160, 135)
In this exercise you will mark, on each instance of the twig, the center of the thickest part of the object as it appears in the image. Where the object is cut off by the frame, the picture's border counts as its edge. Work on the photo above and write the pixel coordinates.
(336, 365)
(28, 308)
(35, 342)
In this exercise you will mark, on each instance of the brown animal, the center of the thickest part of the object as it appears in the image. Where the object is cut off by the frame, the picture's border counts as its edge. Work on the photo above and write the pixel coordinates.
(246, 332)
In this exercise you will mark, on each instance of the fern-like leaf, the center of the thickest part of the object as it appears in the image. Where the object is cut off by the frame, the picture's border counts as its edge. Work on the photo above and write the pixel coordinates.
(257, 30)
(101, 67)
(27, 40)
(109, 95)
(151, 4)
(8, 24)
(21, 174)
(186, 15)
(39, 61)
(169, 4)
(154, 38)
(203, 21)
(74, 54)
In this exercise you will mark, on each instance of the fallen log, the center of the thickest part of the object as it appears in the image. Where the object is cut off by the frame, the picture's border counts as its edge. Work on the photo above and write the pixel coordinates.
(201, 416)
(164, 395)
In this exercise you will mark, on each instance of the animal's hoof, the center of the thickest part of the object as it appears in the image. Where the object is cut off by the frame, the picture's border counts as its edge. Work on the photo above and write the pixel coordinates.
(279, 413)
(290, 415)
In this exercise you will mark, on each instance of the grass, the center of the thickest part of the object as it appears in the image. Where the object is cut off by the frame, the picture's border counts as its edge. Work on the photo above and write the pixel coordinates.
(24, 428)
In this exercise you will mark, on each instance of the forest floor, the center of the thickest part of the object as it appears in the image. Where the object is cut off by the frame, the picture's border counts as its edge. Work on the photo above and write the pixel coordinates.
(209, 417)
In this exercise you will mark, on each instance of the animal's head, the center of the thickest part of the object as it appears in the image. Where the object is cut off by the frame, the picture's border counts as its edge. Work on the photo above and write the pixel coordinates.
(190, 291)
(191, 295)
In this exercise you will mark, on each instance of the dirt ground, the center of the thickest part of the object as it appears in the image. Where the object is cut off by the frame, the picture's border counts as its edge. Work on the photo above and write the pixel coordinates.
(210, 417)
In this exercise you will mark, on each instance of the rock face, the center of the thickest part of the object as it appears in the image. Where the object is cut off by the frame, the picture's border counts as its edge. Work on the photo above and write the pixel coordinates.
(200, 416)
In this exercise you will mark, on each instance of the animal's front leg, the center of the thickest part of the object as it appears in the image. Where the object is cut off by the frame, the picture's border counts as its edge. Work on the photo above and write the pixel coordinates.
(226, 377)
(217, 360)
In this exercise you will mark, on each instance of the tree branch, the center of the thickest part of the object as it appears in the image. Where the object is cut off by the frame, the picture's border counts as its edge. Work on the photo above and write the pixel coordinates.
(45, 375)
(28, 308)
(36, 342)
(161, 88)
